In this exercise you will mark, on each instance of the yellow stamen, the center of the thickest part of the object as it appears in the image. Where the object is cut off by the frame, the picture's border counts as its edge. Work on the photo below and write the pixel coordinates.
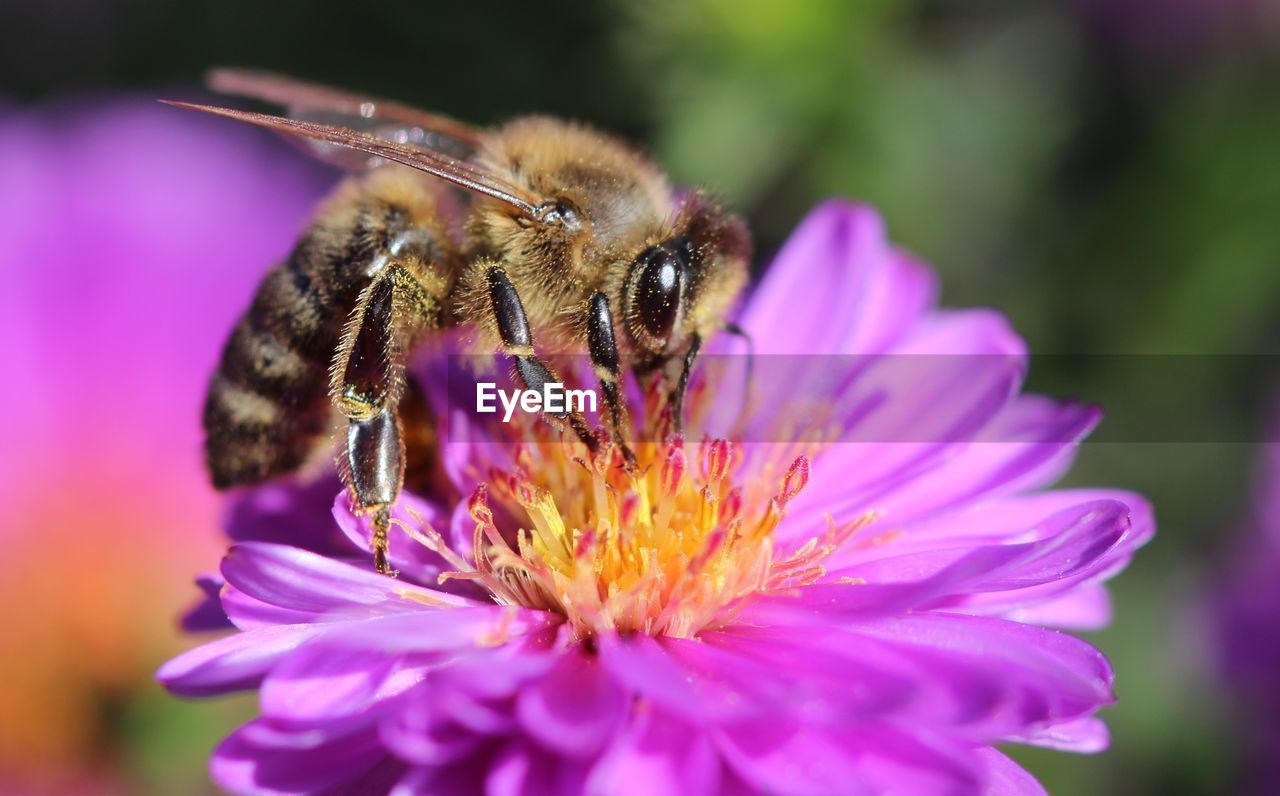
(670, 547)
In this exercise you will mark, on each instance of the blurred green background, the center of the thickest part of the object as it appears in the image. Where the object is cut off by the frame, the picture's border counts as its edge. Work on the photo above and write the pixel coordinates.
(1106, 173)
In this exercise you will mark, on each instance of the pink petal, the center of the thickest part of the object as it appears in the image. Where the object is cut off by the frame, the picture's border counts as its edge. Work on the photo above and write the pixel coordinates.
(641, 664)
(1066, 549)
(321, 683)
(826, 681)
(725, 678)
(503, 670)
(295, 513)
(247, 613)
(835, 289)
(994, 674)
(1006, 519)
(260, 759)
(898, 295)
(903, 415)
(464, 702)
(521, 769)
(575, 708)
(1087, 735)
(1028, 444)
(1086, 607)
(458, 631)
(837, 248)
(462, 779)
(987, 678)
(240, 661)
(207, 613)
(745, 677)
(1007, 778)
(421, 734)
(798, 760)
(656, 755)
(299, 580)
(967, 333)
(233, 663)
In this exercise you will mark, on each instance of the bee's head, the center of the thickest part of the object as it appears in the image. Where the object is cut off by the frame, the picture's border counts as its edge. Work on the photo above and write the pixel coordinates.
(685, 283)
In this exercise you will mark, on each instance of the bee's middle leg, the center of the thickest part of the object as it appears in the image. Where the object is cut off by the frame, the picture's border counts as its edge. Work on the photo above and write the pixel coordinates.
(366, 384)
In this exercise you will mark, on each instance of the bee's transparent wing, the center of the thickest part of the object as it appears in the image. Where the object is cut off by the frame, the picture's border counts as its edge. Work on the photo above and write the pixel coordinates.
(465, 175)
(310, 102)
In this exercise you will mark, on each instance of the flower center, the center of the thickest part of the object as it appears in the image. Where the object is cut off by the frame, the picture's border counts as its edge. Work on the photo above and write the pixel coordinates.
(668, 547)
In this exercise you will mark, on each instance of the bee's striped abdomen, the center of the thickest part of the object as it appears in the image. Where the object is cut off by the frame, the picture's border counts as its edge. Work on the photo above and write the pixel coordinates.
(268, 402)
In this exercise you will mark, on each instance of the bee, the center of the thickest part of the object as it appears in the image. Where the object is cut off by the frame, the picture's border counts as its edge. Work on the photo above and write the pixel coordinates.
(560, 235)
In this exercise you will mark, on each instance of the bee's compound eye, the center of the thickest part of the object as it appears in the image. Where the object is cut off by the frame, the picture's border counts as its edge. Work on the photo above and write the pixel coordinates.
(657, 291)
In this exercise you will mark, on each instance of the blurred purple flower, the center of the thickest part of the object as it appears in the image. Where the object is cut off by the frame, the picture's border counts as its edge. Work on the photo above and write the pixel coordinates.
(1247, 626)
(1178, 30)
(791, 618)
(131, 237)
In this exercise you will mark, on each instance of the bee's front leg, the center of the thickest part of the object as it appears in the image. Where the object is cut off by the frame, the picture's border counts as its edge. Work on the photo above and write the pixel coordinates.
(366, 383)
(676, 397)
(604, 360)
(517, 343)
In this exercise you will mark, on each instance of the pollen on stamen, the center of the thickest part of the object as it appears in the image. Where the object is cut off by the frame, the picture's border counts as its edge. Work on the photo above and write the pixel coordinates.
(659, 548)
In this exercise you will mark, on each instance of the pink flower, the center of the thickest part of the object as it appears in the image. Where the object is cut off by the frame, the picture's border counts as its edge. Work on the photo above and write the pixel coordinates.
(861, 598)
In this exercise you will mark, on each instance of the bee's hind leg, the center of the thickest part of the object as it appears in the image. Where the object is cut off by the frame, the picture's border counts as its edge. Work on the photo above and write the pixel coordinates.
(367, 381)
(375, 467)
